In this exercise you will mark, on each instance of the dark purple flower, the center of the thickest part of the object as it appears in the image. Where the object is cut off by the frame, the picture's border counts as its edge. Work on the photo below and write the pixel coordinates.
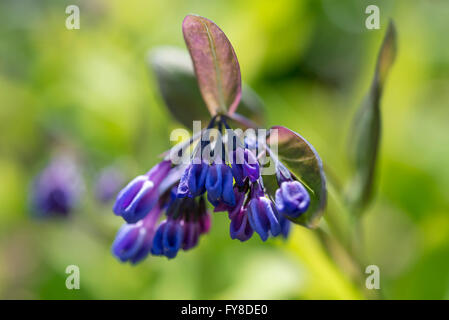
(141, 194)
(192, 183)
(219, 184)
(292, 199)
(232, 210)
(204, 218)
(57, 189)
(134, 241)
(191, 234)
(168, 238)
(240, 227)
(109, 182)
(205, 223)
(263, 217)
(245, 165)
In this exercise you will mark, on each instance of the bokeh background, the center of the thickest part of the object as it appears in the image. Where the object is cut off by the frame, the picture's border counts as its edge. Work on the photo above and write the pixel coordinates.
(89, 93)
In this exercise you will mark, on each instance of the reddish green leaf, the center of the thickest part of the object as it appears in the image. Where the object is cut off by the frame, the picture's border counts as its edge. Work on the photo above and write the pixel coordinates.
(178, 86)
(304, 163)
(215, 63)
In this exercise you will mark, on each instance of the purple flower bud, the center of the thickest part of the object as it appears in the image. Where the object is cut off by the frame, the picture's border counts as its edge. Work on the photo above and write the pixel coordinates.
(191, 234)
(57, 189)
(292, 199)
(141, 194)
(128, 241)
(219, 184)
(240, 227)
(134, 241)
(204, 218)
(205, 223)
(168, 238)
(193, 180)
(285, 226)
(245, 165)
(232, 210)
(108, 184)
(263, 217)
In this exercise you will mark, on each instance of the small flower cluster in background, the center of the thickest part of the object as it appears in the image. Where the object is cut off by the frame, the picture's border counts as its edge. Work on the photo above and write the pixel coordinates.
(57, 190)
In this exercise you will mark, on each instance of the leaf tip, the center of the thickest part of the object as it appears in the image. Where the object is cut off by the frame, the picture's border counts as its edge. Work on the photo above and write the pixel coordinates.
(387, 53)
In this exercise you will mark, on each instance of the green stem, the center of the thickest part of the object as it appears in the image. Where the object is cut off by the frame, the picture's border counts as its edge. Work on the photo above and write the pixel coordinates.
(351, 240)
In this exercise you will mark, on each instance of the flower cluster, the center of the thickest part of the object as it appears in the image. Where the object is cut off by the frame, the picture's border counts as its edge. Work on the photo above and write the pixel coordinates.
(142, 203)
(166, 210)
(166, 214)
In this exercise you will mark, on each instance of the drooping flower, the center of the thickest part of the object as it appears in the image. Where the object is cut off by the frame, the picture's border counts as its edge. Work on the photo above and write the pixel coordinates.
(219, 184)
(191, 234)
(193, 181)
(141, 194)
(187, 219)
(292, 199)
(244, 165)
(240, 227)
(168, 238)
(134, 241)
(57, 189)
(262, 215)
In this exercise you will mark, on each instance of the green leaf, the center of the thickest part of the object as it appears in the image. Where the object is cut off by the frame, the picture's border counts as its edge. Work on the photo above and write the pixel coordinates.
(179, 88)
(304, 163)
(216, 66)
(365, 138)
(177, 84)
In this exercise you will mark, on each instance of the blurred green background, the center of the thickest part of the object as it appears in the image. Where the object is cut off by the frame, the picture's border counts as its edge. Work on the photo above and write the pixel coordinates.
(310, 61)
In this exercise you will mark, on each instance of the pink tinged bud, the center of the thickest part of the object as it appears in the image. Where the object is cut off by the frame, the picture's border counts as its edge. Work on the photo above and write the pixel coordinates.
(191, 234)
(205, 223)
(204, 217)
(240, 227)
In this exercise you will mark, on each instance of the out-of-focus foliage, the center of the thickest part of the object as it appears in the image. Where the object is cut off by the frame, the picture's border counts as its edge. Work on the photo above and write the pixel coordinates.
(178, 86)
(365, 139)
(311, 61)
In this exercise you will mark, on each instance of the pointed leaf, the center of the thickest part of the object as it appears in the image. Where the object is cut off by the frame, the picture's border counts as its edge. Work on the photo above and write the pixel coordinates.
(367, 127)
(179, 88)
(304, 163)
(215, 63)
